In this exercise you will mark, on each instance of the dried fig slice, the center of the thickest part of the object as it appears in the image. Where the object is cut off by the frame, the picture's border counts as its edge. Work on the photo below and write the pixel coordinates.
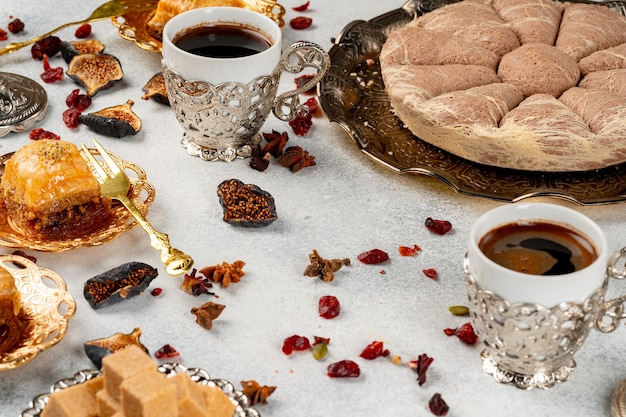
(95, 72)
(118, 284)
(155, 89)
(99, 348)
(116, 121)
(89, 46)
(246, 204)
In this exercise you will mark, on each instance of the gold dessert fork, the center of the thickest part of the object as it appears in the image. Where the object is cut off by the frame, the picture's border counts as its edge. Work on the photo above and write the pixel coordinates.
(114, 183)
(106, 10)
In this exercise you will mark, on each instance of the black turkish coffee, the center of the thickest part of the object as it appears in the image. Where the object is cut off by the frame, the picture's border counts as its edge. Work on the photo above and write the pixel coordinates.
(538, 248)
(222, 40)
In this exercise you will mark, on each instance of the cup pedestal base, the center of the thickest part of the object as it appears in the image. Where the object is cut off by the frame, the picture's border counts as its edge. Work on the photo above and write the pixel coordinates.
(544, 380)
(227, 154)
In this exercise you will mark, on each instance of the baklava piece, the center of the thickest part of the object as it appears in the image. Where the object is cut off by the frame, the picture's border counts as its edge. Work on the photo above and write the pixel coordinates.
(50, 193)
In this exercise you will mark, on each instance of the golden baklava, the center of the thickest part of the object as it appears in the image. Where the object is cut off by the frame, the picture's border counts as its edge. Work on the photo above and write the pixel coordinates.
(10, 305)
(166, 9)
(49, 192)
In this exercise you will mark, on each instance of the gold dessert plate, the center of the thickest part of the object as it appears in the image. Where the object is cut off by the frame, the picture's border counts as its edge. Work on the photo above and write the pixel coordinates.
(46, 310)
(141, 193)
(200, 376)
(134, 26)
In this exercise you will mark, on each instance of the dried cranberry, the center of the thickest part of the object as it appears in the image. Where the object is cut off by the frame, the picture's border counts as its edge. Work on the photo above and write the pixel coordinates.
(50, 46)
(166, 351)
(3, 35)
(295, 343)
(16, 26)
(374, 350)
(430, 273)
(301, 8)
(440, 227)
(301, 124)
(156, 291)
(71, 117)
(24, 255)
(319, 339)
(83, 31)
(300, 22)
(302, 80)
(438, 406)
(39, 134)
(408, 251)
(421, 366)
(81, 102)
(343, 369)
(465, 333)
(50, 74)
(374, 256)
(329, 307)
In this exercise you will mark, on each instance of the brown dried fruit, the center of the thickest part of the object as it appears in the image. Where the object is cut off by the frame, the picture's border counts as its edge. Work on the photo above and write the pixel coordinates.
(256, 393)
(116, 121)
(224, 273)
(95, 72)
(118, 284)
(206, 313)
(324, 268)
(155, 90)
(70, 49)
(296, 158)
(246, 204)
(99, 348)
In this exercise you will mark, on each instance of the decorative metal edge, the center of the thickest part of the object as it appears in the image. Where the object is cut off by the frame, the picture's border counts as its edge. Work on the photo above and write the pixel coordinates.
(618, 400)
(25, 121)
(62, 308)
(358, 45)
(227, 155)
(200, 376)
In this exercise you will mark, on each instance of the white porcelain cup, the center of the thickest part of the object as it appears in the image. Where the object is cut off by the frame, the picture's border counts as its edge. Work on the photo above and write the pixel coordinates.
(222, 103)
(532, 325)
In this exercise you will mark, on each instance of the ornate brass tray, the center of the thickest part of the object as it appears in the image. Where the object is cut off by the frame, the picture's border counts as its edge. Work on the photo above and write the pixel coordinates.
(133, 26)
(198, 375)
(353, 95)
(142, 194)
(45, 314)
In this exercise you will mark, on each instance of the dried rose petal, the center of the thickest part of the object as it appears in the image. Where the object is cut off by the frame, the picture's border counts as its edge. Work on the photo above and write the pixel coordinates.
(300, 22)
(421, 366)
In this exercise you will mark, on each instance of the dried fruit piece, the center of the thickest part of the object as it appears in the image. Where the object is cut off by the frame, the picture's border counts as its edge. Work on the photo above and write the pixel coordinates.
(329, 307)
(3, 35)
(116, 121)
(374, 350)
(118, 284)
(324, 268)
(50, 74)
(408, 251)
(343, 369)
(166, 351)
(40, 134)
(459, 310)
(465, 333)
(372, 257)
(420, 365)
(303, 80)
(296, 158)
(430, 273)
(15, 26)
(78, 101)
(246, 204)
(319, 350)
(224, 273)
(99, 348)
(206, 313)
(259, 160)
(155, 89)
(24, 255)
(440, 227)
(83, 31)
(301, 123)
(90, 46)
(300, 22)
(256, 393)
(49, 46)
(156, 292)
(196, 285)
(438, 406)
(71, 117)
(295, 343)
(95, 72)
(301, 8)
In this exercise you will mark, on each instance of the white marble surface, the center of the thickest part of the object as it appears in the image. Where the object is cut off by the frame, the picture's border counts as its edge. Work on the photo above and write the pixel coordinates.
(343, 206)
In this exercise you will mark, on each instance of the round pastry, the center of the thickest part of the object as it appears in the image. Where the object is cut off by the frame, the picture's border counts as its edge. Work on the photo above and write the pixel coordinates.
(534, 85)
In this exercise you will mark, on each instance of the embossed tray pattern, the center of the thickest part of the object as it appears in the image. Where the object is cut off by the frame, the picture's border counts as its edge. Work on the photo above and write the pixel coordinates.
(353, 95)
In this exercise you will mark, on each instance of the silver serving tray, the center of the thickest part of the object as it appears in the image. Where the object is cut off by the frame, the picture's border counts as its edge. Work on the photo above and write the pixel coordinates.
(353, 95)
(198, 375)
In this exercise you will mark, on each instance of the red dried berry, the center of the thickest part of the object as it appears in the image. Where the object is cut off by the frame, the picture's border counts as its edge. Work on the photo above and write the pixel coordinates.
(329, 307)
(301, 8)
(408, 251)
(323, 340)
(295, 343)
(374, 256)
(301, 124)
(438, 406)
(374, 350)
(71, 117)
(49, 46)
(156, 291)
(313, 106)
(39, 134)
(440, 227)
(421, 366)
(16, 26)
(50, 74)
(81, 102)
(83, 31)
(430, 273)
(166, 351)
(343, 369)
(3, 35)
(302, 80)
(300, 22)
(465, 333)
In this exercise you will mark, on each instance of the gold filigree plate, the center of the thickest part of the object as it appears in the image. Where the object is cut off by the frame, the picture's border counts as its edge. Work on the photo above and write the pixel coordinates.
(46, 310)
(142, 194)
(353, 95)
(134, 26)
(200, 376)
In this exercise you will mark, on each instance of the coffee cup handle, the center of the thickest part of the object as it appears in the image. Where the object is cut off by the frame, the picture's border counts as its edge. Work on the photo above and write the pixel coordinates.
(295, 59)
(612, 311)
